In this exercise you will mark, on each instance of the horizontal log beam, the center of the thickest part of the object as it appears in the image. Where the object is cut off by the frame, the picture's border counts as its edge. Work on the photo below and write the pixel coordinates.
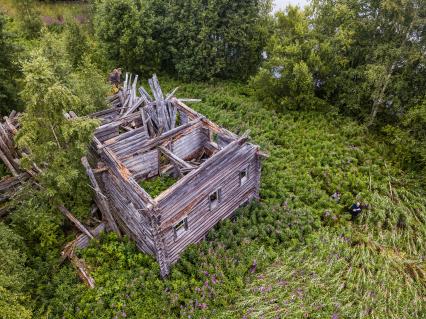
(175, 159)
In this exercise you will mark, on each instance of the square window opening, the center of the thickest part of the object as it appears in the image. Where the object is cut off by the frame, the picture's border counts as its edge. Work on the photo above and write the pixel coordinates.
(181, 227)
(214, 199)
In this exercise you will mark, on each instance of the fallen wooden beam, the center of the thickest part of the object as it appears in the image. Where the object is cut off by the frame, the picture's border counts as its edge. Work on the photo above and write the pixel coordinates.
(82, 241)
(75, 221)
(83, 272)
(101, 200)
(175, 159)
(9, 165)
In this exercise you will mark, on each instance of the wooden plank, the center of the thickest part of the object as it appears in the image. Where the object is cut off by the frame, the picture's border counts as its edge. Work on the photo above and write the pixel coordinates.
(9, 165)
(83, 272)
(75, 221)
(81, 241)
(103, 203)
(178, 161)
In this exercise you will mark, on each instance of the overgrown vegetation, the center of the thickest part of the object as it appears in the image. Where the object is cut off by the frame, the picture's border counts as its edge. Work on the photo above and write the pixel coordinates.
(9, 70)
(156, 185)
(366, 58)
(226, 37)
(339, 104)
(335, 276)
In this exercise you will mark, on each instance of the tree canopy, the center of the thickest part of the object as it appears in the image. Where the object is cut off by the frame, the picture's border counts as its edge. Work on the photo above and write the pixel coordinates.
(196, 39)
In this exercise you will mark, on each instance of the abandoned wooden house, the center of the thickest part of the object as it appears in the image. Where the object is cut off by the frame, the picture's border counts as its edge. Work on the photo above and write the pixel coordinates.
(144, 138)
(141, 140)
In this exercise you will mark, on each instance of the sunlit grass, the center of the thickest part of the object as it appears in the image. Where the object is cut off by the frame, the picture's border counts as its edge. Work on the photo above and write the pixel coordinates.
(65, 9)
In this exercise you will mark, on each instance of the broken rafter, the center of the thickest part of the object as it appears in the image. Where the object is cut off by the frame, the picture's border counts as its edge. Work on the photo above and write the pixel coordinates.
(83, 272)
(176, 160)
(75, 221)
(82, 241)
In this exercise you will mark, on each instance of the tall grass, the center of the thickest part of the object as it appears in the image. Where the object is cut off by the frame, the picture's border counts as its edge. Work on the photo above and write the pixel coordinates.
(334, 276)
(66, 9)
(372, 267)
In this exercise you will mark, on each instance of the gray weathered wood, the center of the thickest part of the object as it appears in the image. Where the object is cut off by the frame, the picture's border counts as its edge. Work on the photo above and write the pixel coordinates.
(103, 203)
(203, 165)
(75, 221)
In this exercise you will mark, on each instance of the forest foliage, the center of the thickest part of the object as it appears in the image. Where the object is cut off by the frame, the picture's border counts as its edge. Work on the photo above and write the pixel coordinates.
(334, 92)
(197, 40)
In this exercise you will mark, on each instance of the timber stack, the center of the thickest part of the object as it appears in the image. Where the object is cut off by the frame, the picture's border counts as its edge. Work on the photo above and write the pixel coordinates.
(10, 155)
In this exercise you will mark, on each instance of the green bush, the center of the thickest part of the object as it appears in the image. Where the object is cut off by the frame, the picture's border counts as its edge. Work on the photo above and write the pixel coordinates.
(9, 70)
(14, 277)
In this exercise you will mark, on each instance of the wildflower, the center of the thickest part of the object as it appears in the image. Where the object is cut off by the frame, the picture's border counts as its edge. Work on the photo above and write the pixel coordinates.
(282, 282)
(202, 306)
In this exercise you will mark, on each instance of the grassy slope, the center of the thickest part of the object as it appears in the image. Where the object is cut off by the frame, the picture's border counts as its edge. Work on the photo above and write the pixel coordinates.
(312, 155)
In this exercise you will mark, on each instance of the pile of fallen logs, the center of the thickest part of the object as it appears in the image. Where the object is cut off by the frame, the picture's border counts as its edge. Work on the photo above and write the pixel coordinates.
(9, 185)
(11, 156)
(159, 113)
(8, 152)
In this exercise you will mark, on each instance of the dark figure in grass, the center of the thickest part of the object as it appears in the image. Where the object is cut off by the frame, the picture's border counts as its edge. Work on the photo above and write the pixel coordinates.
(355, 210)
(115, 77)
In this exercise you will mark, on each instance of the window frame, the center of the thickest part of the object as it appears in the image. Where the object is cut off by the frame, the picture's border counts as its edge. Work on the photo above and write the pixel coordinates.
(244, 180)
(180, 227)
(215, 203)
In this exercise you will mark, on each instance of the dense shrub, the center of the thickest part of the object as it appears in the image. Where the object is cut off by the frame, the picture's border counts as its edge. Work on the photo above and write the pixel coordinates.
(125, 30)
(9, 70)
(14, 277)
(218, 39)
(197, 39)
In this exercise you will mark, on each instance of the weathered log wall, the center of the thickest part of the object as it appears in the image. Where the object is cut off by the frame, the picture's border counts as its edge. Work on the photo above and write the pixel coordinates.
(187, 145)
(134, 222)
(191, 199)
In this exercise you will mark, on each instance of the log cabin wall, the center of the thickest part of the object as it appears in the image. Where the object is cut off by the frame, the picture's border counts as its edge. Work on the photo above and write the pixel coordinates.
(132, 221)
(186, 145)
(191, 200)
(208, 159)
(129, 202)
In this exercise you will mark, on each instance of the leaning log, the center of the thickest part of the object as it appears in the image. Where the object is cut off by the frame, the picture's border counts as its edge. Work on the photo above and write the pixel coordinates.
(82, 241)
(100, 198)
(75, 221)
(83, 272)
